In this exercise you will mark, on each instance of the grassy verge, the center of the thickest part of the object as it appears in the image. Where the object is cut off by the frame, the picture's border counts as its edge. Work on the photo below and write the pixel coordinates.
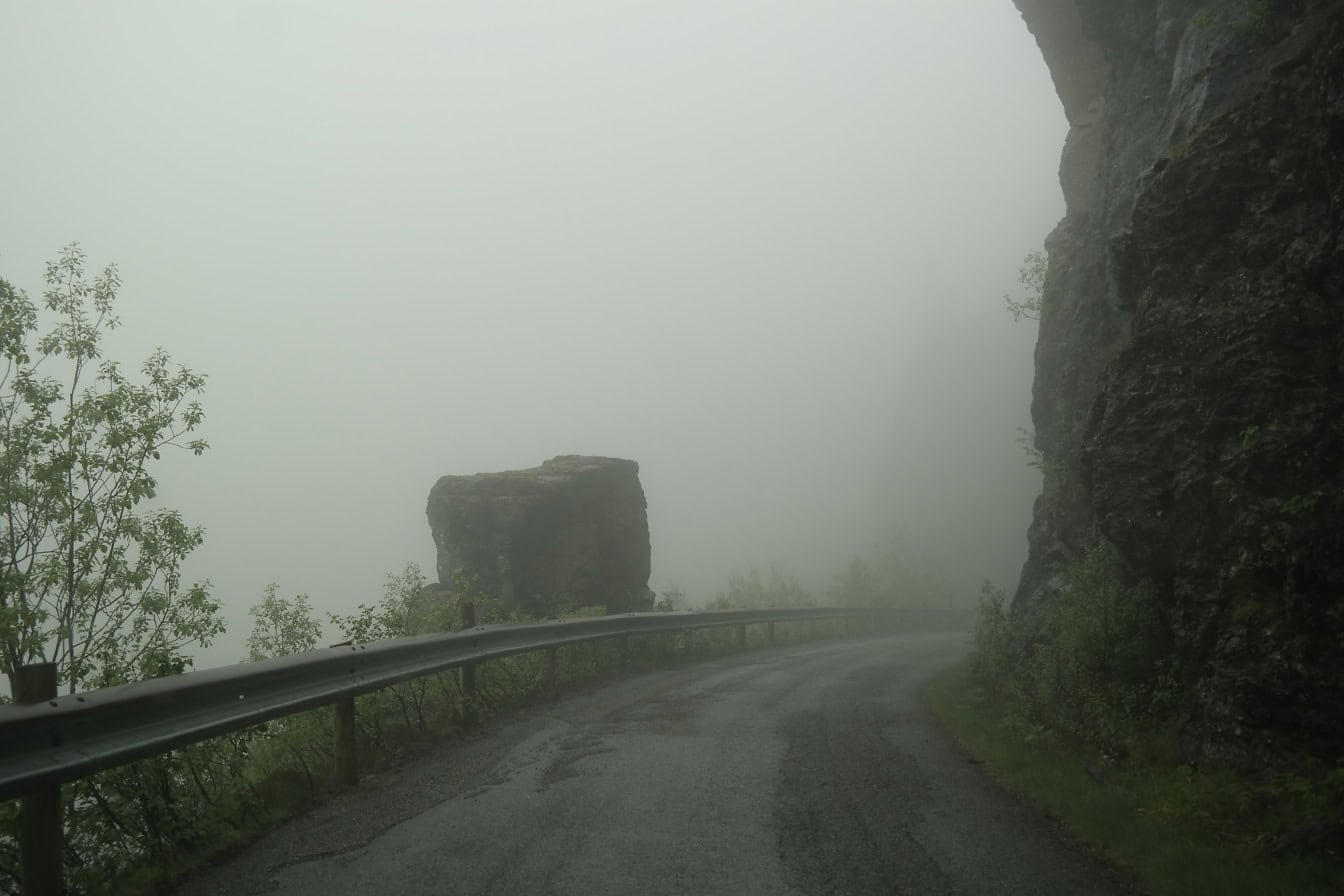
(1177, 831)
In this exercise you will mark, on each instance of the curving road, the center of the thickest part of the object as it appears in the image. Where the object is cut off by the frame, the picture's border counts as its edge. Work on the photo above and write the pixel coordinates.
(805, 770)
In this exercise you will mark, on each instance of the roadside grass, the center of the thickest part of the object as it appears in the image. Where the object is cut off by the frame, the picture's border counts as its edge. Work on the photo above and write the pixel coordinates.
(1178, 831)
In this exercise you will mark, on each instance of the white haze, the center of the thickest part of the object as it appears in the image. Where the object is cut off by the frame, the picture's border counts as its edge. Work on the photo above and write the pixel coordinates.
(759, 247)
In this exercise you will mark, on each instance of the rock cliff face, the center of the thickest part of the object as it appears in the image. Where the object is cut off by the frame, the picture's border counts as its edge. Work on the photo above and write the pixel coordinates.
(1189, 394)
(573, 532)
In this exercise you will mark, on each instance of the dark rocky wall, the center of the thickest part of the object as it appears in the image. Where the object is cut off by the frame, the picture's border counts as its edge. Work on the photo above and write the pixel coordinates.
(573, 532)
(1189, 394)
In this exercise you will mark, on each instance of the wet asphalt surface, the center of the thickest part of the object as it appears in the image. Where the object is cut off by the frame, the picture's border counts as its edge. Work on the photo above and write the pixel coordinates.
(812, 769)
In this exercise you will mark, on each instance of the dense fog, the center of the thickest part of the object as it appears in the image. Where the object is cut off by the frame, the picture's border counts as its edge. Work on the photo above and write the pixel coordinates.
(760, 247)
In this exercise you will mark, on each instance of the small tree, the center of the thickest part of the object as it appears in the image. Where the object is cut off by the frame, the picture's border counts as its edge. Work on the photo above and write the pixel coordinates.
(857, 586)
(88, 580)
(752, 591)
(1032, 277)
(282, 627)
(1090, 661)
(671, 600)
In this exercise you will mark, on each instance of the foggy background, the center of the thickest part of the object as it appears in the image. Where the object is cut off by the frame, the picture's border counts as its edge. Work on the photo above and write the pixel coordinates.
(759, 247)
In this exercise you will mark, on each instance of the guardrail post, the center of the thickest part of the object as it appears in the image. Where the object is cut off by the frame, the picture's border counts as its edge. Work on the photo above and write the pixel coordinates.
(344, 756)
(770, 632)
(344, 759)
(741, 637)
(844, 626)
(552, 668)
(690, 639)
(41, 841)
(468, 670)
(812, 629)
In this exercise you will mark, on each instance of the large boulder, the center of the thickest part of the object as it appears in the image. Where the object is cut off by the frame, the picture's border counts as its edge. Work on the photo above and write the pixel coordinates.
(570, 533)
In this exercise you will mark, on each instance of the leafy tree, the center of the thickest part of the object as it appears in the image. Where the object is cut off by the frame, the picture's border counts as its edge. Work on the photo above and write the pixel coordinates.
(671, 600)
(89, 580)
(892, 574)
(752, 591)
(281, 627)
(857, 586)
(395, 616)
(1091, 662)
(1032, 278)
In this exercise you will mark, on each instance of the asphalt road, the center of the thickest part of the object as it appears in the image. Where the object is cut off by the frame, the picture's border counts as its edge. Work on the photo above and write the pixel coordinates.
(805, 770)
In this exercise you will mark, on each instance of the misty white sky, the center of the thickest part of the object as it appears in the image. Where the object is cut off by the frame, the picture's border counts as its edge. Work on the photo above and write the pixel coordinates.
(758, 246)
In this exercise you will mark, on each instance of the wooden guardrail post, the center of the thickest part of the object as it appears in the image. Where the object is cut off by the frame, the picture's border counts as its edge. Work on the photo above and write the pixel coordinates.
(344, 755)
(41, 841)
(741, 637)
(551, 673)
(468, 670)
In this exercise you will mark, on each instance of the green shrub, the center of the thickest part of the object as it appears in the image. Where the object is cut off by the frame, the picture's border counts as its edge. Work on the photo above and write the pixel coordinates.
(1087, 663)
(752, 591)
(997, 642)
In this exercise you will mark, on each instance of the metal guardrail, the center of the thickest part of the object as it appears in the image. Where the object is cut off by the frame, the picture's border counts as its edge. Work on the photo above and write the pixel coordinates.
(69, 737)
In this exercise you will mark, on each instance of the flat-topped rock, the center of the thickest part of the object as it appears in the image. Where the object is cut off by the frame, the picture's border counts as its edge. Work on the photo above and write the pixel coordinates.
(572, 532)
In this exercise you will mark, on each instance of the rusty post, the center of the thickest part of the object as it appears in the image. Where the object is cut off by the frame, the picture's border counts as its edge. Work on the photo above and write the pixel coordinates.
(552, 669)
(468, 670)
(344, 757)
(741, 637)
(41, 841)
